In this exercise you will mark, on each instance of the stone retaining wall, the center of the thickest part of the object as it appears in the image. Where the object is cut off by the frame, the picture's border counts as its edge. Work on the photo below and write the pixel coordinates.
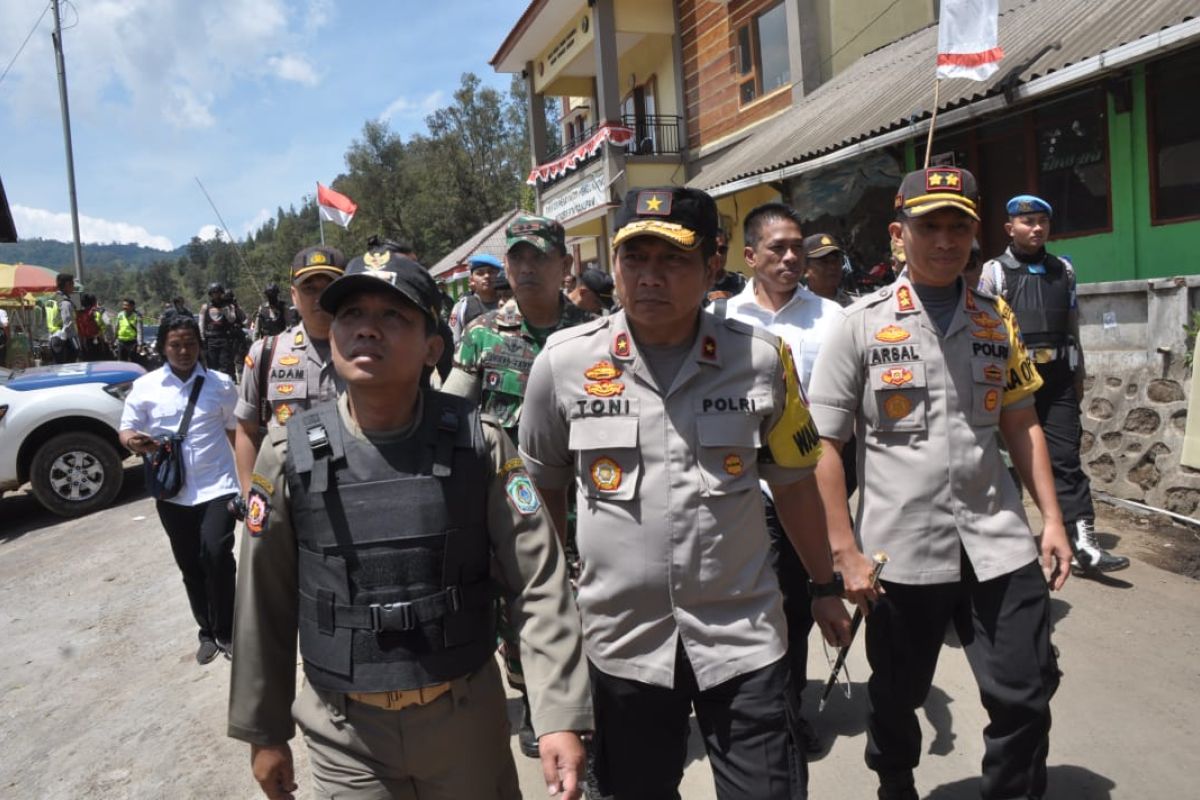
(1135, 398)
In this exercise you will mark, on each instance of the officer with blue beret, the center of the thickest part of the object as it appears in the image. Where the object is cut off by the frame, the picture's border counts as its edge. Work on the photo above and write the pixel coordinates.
(1040, 288)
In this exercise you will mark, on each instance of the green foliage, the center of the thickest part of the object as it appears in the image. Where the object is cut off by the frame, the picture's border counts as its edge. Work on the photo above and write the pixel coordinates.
(433, 191)
(1191, 330)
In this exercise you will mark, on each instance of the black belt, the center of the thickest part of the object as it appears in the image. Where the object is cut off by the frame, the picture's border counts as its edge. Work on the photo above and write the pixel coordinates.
(400, 616)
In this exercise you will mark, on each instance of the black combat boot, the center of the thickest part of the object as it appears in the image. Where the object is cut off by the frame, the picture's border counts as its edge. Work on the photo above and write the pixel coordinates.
(1089, 556)
(897, 786)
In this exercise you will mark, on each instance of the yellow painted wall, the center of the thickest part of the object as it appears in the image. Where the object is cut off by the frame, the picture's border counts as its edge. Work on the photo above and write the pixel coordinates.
(644, 16)
(733, 209)
(653, 55)
(848, 29)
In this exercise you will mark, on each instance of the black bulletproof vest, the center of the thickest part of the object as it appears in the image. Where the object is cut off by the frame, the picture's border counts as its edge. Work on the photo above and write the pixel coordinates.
(1041, 302)
(394, 554)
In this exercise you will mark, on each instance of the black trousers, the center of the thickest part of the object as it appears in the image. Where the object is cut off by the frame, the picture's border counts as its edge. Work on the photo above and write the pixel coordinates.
(797, 605)
(202, 542)
(219, 354)
(127, 350)
(748, 725)
(1004, 627)
(1058, 411)
(64, 351)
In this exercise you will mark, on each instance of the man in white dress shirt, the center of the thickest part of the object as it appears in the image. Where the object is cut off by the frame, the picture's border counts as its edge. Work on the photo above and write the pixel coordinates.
(198, 520)
(775, 299)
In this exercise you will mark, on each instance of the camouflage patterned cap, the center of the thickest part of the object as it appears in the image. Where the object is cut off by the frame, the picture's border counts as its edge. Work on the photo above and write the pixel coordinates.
(543, 233)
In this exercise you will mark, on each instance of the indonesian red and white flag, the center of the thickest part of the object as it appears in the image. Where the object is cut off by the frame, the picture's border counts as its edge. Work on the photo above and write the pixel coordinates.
(968, 39)
(334, 206)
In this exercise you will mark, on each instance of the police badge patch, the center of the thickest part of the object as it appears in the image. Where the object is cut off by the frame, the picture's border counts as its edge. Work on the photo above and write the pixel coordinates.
(521, 493)
(258, 511)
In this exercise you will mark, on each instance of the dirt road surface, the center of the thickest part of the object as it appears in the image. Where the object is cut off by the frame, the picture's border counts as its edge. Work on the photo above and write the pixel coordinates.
(100, 696)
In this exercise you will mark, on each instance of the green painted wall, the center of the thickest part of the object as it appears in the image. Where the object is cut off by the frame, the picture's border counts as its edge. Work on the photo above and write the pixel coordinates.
(1134, 249)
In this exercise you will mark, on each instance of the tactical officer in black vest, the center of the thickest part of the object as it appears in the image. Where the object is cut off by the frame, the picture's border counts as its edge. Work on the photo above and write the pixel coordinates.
(221, 328)
(381, 528)
(272, 314)
(1040, 288)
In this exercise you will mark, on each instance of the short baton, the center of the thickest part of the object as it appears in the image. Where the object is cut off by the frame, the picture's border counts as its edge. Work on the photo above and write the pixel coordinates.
(880, 560)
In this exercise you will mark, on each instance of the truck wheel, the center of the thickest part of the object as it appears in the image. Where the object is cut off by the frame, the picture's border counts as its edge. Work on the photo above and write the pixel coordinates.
(76, 473)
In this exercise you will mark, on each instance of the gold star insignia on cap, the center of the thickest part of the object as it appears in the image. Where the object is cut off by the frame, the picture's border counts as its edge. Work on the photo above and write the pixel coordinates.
(826, 240)
(317, 258)
(935, 179)
(952, 180)
(944, 179)
(656, 204)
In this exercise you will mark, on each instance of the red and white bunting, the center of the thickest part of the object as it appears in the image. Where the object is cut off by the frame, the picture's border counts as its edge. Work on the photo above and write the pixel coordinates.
(968, 39)
(617, 134)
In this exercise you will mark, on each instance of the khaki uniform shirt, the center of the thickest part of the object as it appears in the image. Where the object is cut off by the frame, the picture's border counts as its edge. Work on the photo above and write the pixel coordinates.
(527, 563)
(671, 530)
(925, 407)
(297, 379)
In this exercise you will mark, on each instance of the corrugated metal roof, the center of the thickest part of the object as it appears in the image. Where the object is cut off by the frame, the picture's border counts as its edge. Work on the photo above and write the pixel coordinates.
(893, 86)
(488, 239)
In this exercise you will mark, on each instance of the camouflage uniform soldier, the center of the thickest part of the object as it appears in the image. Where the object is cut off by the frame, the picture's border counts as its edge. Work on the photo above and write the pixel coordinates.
(497, 351)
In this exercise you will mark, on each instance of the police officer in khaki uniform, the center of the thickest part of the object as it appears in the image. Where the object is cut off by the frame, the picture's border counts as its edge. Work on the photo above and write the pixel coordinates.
(665, 417)
(380, 527)
(295, 366)
(925, 372)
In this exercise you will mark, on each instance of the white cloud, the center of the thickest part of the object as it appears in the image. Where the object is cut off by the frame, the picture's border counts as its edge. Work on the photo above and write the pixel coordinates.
(37, 223)
(208, 232)
(156, 61)
(291, 68)
(246, 229)
(257, 221)
(405, 107)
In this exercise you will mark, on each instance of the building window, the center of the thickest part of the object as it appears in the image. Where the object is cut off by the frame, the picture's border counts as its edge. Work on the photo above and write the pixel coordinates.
(1072, 162)
(1174, 137)
(762, 54)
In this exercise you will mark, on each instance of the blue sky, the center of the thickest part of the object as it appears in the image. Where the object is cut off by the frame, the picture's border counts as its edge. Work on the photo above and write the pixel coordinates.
(258, 98)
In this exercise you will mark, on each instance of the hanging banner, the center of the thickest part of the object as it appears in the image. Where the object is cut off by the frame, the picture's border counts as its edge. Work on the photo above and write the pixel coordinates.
(617, 134)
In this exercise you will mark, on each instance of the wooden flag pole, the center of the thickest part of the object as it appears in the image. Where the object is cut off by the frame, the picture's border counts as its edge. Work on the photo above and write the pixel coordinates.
(937, 85)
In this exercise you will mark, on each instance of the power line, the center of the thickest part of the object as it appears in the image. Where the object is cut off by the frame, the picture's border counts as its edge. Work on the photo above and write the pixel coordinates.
(22, 47)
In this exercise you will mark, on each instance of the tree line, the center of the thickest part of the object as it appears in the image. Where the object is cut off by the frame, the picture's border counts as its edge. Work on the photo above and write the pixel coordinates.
(432, 191)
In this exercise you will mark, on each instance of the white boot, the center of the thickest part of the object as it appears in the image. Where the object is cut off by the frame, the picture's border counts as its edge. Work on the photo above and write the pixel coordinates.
(1089, 556)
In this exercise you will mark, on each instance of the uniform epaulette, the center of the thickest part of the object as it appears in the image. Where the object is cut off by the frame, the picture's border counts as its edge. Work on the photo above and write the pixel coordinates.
(981, 293)
(575, 331)
(757, 332)
(869, 300)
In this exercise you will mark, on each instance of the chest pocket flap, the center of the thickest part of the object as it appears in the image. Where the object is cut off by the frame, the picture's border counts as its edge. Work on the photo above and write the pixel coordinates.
(287, 390)
(607, 459)
(728, 452)
(901, 397)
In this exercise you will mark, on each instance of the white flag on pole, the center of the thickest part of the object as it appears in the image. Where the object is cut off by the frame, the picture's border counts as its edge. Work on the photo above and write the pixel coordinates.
(968, 39)
(334, 206)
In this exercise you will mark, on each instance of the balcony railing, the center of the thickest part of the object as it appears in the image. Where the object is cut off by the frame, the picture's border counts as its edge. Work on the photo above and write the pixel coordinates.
(653, 134)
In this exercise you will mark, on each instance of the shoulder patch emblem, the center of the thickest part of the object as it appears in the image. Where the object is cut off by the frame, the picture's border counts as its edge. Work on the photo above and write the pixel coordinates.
(904, 301)
(606, 474)
(602, 371)
(709, 348)
(970, 301)
(521, 493)
(258, 511)
(249, 362)
(283, 413)
(289, 361)
(299, 338)
(897, 406)
(892, 334)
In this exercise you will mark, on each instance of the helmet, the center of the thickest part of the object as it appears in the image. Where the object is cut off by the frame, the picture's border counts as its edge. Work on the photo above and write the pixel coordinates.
(215, 287)
(272, 290)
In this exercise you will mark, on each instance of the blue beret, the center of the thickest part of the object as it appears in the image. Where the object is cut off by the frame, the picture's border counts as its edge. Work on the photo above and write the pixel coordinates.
(484, 260)
(1028, 204)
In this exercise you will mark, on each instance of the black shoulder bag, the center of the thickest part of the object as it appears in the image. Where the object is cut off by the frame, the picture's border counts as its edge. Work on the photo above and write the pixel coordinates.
(164, 467)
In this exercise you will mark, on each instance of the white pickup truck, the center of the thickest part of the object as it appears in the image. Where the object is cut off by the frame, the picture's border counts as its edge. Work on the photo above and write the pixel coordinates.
(58, 432)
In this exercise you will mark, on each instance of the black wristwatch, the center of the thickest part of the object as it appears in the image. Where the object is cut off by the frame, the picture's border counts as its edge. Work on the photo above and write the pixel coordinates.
(835, 588)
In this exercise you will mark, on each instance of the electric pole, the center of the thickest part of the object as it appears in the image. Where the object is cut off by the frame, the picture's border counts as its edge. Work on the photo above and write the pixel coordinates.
(66, 120)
